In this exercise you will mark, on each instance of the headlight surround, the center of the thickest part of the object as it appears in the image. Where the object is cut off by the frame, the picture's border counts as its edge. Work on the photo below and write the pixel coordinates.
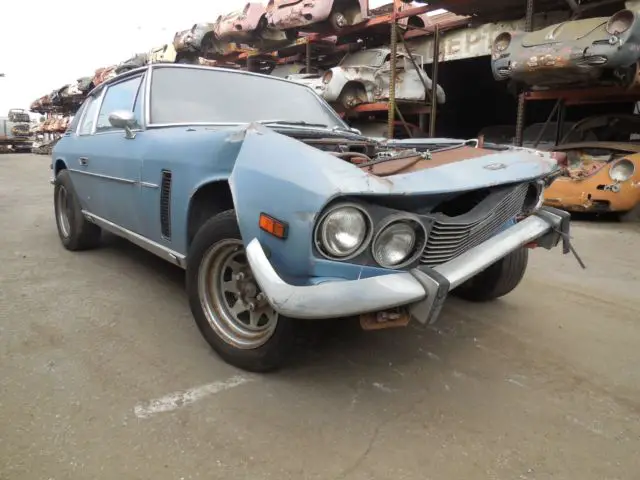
(622, 170)
(502, 42)
(399, 242)
(343, 232)
(620, 22)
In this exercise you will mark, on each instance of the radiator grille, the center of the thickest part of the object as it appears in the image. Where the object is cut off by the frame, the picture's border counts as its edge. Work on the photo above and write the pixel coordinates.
(165, 204)
(450, 237)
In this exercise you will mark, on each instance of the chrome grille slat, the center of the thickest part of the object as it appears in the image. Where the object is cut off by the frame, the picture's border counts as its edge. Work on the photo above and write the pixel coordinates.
(499, 216)
(450, 238)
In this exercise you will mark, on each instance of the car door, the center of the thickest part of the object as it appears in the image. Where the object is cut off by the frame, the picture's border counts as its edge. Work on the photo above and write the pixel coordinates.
(76, 147)
(115, 159)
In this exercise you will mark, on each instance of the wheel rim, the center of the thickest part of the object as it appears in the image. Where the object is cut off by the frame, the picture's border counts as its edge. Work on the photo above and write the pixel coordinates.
(340, 20)
(64, 211)
(231, 299)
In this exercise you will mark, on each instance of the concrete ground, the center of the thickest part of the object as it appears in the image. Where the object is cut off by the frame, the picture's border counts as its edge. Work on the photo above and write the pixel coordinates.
(103, 374)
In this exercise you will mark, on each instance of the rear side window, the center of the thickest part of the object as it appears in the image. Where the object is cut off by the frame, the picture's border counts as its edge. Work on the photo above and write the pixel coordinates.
(120, 96)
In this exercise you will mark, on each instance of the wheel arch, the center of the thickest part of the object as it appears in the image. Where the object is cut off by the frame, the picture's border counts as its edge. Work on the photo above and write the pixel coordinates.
(211, 197)
(58, 165)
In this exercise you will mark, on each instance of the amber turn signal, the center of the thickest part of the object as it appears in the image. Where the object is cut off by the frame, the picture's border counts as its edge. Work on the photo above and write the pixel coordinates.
(274, 227)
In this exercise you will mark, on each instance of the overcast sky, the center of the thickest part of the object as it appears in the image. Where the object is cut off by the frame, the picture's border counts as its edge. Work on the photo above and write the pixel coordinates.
(46, 44)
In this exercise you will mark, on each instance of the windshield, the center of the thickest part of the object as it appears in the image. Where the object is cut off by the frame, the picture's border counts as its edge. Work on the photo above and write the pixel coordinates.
(197, 95)
(373, 58)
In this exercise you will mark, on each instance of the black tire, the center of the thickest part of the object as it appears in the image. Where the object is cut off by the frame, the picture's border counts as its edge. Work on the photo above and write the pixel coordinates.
(272, 353)
(76, 233)
(496, 281)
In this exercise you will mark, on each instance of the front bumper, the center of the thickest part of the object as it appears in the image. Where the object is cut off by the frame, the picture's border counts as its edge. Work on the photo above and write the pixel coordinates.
(423, 289)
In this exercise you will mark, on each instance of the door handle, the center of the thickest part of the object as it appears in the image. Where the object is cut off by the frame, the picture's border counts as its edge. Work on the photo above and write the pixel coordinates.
(84, 161)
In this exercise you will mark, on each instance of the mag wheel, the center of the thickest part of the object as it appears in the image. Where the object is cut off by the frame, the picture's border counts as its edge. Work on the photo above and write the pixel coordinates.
(75, 231)
(232, 313)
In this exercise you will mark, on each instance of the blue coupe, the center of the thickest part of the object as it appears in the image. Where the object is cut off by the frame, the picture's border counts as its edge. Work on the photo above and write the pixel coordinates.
(279, 211)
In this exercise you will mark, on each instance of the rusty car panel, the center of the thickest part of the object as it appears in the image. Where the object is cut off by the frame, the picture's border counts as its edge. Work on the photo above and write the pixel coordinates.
(315, 15)
(249, 26)
(365, 76)
(104, 74)
(198, 40)
(602, 50)
(600, 177)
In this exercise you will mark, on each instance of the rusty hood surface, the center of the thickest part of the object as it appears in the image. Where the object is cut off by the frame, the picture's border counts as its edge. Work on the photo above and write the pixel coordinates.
(279, 159)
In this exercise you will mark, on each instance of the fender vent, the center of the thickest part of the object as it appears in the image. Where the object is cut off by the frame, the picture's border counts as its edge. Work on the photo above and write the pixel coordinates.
(165, 204)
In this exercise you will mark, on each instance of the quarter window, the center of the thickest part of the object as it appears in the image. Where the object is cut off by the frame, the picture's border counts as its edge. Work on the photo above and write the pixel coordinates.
(120, 96)
(90, 110)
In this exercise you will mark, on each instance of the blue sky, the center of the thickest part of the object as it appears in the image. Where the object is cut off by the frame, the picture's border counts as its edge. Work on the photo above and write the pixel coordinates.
(47, 44)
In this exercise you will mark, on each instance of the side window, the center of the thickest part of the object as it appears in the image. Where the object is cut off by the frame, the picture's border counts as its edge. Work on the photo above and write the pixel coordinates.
(138, 111)
(120, 96)
(90, 110)
(73, 124)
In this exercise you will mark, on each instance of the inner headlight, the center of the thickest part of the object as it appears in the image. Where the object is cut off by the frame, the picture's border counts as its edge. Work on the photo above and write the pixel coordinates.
(502, 42)
(398, 244)
(620, 22)
(342, 231)
(622, 170)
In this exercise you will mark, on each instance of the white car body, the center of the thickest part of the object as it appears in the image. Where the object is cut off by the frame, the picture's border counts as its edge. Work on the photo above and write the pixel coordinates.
(369, 73)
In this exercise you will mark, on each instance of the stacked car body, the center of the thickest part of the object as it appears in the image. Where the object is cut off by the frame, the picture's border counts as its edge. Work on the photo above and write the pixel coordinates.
(359, 78)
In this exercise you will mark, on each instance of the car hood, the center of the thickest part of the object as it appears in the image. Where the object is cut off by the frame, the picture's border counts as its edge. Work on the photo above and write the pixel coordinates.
(266, 154)
(565, 32)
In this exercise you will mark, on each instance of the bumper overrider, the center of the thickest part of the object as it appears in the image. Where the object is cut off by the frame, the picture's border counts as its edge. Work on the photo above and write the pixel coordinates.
(422, 289)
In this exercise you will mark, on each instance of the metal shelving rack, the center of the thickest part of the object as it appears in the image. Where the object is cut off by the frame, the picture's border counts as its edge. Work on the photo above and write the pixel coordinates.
(377, 30)
(569, 96)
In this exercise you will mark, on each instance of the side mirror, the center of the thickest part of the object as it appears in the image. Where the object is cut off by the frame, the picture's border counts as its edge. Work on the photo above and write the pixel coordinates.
(125, 120)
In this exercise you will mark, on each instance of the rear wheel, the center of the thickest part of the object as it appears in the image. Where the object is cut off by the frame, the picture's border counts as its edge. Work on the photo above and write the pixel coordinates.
(496, 281)
(229, 308)
(338, 20)
(352, 96)
(75, 231)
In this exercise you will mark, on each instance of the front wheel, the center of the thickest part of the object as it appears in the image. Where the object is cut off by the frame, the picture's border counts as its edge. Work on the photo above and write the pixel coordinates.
(76, 233)
(230, 310)
(496, 281)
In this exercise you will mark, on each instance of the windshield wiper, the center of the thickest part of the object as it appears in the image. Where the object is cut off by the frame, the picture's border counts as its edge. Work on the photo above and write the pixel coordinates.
(301, 123)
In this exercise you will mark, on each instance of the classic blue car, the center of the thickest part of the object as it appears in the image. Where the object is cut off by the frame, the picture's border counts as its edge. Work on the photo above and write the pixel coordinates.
(279, 211)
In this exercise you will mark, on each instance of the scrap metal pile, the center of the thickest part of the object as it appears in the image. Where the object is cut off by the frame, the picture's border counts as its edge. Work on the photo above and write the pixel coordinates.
(257, 28)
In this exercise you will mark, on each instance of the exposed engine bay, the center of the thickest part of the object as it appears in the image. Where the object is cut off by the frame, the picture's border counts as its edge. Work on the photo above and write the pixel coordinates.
(383, 160)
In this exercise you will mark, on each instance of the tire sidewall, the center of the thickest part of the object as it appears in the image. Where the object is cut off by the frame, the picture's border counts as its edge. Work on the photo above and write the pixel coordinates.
(268, 356)
(63, 180)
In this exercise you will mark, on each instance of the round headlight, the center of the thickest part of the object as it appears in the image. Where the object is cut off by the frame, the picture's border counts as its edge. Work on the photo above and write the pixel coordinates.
(396, 244)
(620, 22)
(622, 170)
(502, 42)
(342, 232)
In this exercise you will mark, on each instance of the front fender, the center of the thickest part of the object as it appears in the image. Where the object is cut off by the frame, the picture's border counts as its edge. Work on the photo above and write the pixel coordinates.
(292, 182)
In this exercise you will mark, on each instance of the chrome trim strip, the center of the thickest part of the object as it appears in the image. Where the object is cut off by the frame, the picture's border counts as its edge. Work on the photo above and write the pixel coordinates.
(106, 177)
(149, 185)
(143, 242)
(147, 97)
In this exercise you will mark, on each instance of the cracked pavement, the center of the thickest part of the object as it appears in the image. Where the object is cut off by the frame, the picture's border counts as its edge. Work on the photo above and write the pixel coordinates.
(542, 384)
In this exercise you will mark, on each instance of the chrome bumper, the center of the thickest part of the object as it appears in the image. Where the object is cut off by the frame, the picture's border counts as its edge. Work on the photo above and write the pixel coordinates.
(423, 289)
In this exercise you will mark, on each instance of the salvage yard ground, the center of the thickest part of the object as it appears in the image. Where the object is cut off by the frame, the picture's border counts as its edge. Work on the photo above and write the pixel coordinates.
(103, 374)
